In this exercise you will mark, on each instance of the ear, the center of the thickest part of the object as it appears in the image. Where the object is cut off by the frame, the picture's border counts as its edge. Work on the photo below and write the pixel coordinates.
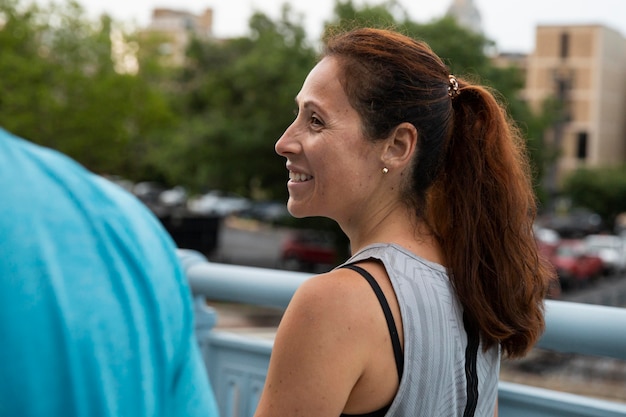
(400, 146)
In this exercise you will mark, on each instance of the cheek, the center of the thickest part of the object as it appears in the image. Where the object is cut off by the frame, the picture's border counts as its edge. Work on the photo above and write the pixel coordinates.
(349, 177)
(345, 160)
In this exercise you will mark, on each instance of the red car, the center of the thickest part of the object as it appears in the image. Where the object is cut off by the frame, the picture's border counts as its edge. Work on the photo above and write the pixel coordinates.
(574, 265)
(308, 250)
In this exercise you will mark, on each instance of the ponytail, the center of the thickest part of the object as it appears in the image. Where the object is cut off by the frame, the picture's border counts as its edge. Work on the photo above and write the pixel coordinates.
(482, 208)
(470, 177)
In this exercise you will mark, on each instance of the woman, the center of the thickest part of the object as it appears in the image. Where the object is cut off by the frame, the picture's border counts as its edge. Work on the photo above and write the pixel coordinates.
(427, 178)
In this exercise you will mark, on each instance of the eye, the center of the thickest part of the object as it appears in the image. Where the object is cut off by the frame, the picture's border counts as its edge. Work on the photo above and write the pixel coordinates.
(315, 121)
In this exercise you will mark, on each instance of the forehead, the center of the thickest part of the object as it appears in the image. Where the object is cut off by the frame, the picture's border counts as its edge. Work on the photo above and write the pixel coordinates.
(322, 86)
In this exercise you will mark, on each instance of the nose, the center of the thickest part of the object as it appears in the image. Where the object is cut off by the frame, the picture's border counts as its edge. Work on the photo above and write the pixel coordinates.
(286, 144)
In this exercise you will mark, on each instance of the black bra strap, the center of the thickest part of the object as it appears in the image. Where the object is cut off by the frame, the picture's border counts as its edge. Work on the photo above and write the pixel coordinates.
(391, 324)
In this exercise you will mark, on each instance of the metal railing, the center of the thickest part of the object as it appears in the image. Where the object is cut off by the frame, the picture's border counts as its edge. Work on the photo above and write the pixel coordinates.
(237, 363)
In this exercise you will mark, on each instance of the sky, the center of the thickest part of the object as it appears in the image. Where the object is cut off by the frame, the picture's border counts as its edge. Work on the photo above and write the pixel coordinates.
(510, 23)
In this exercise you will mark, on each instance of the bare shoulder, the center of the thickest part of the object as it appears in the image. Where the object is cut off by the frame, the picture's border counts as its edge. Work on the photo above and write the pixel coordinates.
(335, 312)
(340, 291)
(321, 323)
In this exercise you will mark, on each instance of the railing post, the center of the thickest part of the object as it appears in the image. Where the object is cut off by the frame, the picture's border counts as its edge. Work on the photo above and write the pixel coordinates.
(205, 317)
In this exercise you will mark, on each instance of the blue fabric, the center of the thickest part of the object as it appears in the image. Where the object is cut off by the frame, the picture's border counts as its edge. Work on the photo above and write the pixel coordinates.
(95, 312)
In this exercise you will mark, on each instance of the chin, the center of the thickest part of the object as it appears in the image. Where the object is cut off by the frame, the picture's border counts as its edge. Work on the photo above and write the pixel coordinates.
(297, 211)
(297, 214)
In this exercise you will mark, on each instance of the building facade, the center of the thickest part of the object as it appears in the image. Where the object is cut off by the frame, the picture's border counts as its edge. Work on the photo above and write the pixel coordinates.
(177, 27)
(466, 14)
(583, 67)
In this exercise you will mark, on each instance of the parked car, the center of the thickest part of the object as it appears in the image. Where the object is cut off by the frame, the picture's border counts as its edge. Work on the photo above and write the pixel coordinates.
(174, 197)
(547, 240)
(611, 249)
(308, 250)
(266, 211)
(148, 192)
(575, 224)
(574, 265)
(218, 203)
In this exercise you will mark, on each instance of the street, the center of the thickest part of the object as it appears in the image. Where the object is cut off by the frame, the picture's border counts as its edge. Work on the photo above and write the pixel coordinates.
(248, 242)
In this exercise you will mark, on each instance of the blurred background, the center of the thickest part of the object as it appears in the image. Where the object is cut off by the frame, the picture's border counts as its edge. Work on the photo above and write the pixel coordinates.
(181, 102)
(182, 106)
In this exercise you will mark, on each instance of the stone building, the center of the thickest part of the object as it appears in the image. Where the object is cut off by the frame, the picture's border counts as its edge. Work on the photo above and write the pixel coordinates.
(177, 28)
(584, 68)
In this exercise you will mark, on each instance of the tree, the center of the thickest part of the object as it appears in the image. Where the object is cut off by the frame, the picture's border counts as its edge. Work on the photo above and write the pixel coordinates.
(60, 87)
(602, 190)
(238, 97)
(210, 124)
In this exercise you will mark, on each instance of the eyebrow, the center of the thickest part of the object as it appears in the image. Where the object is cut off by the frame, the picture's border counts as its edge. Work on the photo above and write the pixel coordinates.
(308, 103)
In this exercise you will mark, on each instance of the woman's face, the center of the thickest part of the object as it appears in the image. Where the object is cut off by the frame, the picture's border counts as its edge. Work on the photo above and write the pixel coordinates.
(331, 164)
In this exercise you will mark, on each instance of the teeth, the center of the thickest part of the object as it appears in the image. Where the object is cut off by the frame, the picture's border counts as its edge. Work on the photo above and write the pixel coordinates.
(299, 177)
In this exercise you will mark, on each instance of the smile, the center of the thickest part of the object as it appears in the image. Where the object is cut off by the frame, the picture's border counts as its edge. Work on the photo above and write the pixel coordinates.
(299, 177)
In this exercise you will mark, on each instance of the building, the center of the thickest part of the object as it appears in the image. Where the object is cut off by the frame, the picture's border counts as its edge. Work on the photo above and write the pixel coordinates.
(466, 14)
(177, 28)
(583, 67)
(511, 59)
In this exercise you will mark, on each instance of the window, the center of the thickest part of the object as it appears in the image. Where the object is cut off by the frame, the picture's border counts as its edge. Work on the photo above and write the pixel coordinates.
(564, 45)
(581, 146)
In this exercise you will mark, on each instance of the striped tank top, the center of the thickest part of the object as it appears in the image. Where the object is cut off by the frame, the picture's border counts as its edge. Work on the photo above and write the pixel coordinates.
(434, 382)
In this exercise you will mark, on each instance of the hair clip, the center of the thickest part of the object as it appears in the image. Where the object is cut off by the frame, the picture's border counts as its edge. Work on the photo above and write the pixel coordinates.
(453, 88)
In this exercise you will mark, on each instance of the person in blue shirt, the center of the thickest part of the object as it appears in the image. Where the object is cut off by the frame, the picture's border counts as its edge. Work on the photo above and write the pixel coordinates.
(96, 316)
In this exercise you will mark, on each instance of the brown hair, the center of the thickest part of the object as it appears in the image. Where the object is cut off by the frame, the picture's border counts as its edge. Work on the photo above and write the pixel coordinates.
(470, 178)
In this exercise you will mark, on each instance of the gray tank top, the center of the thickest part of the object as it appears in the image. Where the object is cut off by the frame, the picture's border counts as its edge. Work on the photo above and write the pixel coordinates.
(434, 381)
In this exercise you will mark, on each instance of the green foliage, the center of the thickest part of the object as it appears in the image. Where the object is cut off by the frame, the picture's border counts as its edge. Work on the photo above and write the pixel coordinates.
(212, 123)
(602, 190)
(238, 98)
(348, 16)
(59, 87)
(462, 50)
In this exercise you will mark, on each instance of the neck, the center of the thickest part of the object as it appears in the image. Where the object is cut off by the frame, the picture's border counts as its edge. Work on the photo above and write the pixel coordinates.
(400, 226)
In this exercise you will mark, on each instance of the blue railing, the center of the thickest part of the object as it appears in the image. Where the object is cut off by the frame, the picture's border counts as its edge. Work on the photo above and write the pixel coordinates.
(237, 363)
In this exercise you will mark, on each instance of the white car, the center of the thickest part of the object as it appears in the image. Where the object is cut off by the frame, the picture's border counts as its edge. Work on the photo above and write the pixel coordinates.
(218, 203)
(545, 235)
(610, 248)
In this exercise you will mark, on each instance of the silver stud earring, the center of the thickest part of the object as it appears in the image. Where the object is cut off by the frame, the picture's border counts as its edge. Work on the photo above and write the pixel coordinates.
(385, 170)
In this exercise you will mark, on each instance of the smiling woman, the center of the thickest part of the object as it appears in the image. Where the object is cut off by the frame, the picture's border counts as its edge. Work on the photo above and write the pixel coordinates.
(326, 130)
(427, 178)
